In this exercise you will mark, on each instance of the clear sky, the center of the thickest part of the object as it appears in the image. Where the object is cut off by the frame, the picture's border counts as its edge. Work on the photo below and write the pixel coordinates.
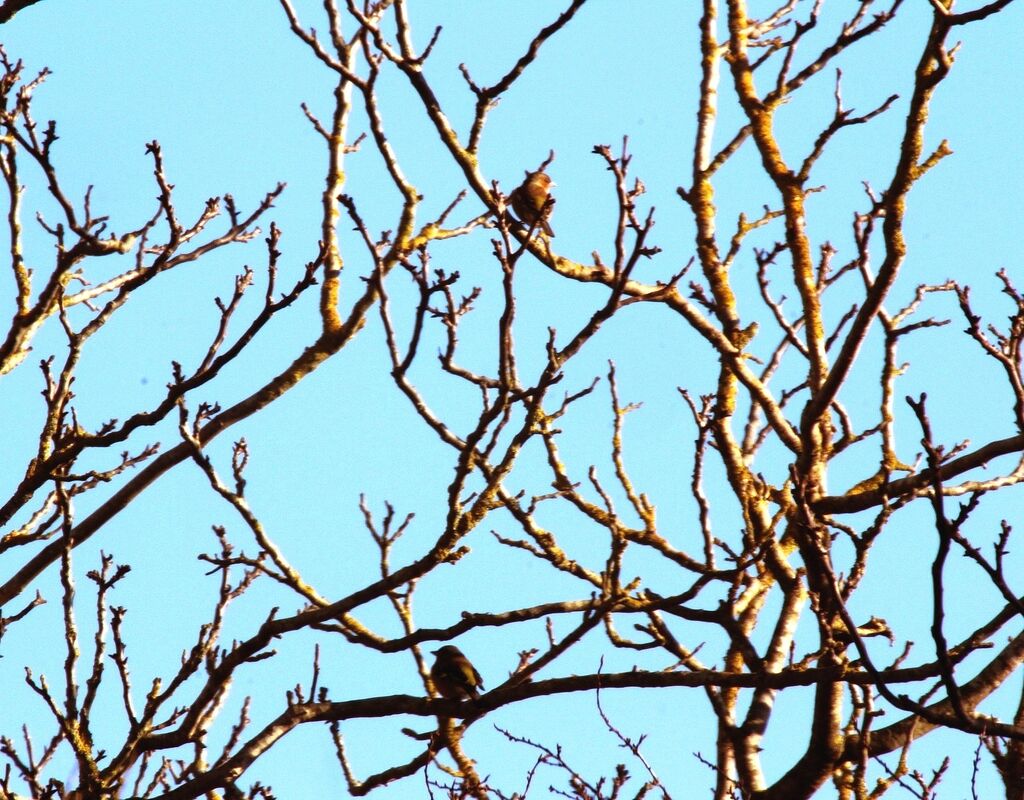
(219, 84)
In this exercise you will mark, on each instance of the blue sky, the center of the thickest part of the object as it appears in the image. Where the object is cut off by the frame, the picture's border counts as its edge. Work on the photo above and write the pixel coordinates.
(219, 85)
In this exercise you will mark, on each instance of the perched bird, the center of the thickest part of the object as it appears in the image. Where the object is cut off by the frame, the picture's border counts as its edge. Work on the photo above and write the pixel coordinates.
(453, 676)
(876, 626)
(530, 201)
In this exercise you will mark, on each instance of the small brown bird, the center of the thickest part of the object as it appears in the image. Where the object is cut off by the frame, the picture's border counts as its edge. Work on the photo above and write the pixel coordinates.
(453, 676)
(530, 201)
